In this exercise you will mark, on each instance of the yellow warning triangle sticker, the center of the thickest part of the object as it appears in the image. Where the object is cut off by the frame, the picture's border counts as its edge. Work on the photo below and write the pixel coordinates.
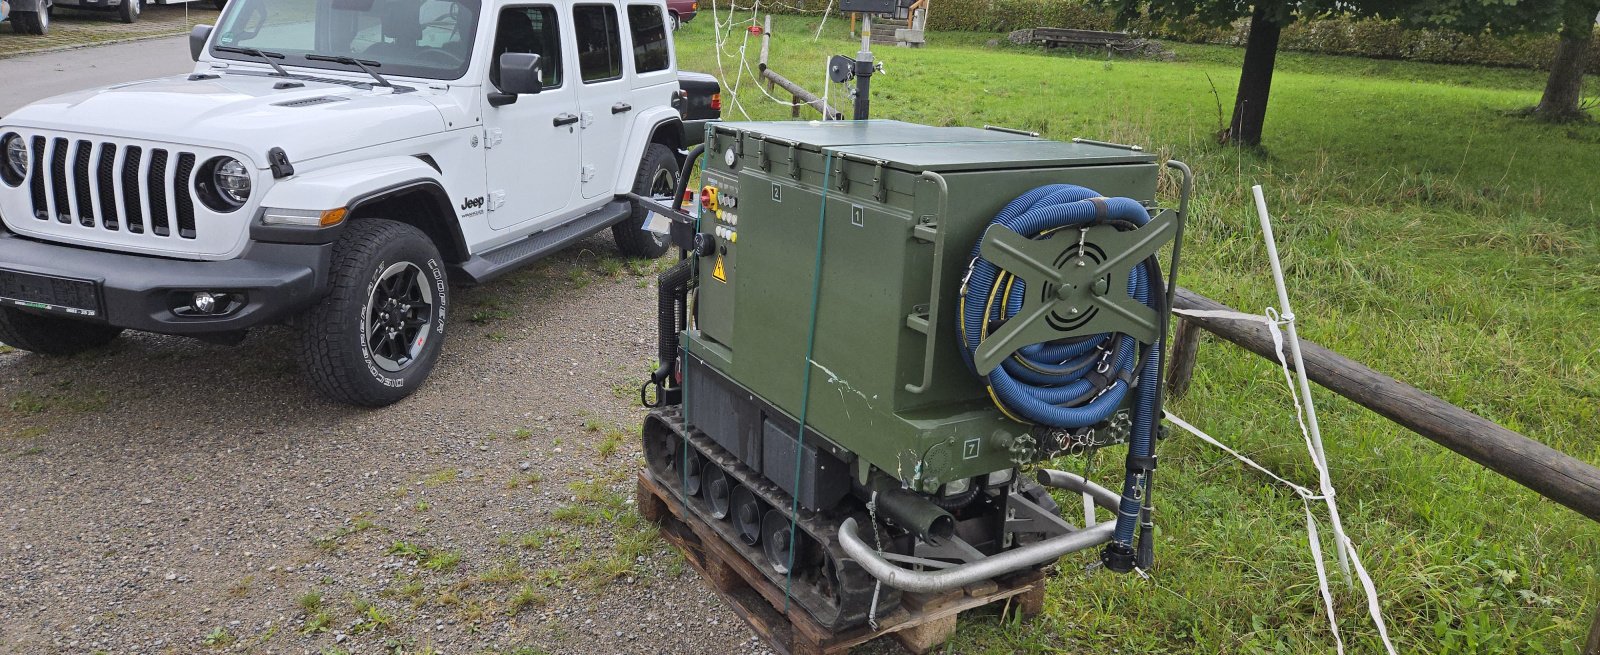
(718, 271)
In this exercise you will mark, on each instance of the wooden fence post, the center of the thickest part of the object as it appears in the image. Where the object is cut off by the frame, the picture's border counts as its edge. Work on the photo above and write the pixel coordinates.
(1180, 362)
(1548, 472)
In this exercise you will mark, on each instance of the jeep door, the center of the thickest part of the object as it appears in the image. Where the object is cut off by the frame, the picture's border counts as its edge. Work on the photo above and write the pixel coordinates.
(655, 80)
(532, 145)
(606, 101)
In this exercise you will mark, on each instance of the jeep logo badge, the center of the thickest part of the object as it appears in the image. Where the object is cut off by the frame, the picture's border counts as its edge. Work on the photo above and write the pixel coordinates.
(472, 203)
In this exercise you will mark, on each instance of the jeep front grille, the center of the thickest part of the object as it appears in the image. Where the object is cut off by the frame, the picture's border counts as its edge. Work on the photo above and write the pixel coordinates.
(76, 180)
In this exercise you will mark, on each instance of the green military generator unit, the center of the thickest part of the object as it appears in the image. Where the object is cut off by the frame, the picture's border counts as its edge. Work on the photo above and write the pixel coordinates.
(880, 330)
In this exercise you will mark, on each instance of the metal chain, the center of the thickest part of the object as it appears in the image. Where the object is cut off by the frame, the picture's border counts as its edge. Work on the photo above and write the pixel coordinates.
(877, 538)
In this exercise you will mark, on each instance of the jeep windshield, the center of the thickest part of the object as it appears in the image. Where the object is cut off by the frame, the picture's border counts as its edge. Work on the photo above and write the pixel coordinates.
(415, 38)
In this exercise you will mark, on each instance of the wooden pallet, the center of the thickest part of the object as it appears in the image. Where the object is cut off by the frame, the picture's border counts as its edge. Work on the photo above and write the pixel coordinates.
(920, 624)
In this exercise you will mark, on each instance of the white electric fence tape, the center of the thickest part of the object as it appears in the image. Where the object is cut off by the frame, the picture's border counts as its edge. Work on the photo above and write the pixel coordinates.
(1274, 323)
(719, 36)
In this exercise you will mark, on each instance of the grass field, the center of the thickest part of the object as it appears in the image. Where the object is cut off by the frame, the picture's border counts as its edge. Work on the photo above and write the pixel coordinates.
(1426, 233)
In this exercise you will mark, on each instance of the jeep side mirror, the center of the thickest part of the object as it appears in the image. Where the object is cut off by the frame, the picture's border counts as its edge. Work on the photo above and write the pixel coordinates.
(519, 75)
(197, 40)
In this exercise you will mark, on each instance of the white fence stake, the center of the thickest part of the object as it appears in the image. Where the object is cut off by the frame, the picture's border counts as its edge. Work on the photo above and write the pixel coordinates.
(1305, 384)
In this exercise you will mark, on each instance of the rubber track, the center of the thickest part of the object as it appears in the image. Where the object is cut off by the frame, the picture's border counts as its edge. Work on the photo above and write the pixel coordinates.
(855, 586)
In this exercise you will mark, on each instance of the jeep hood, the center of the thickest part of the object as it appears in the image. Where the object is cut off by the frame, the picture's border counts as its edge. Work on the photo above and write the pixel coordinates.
(242, 112)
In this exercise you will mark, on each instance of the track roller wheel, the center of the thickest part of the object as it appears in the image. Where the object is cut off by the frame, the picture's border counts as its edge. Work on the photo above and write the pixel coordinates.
(718, 491)
(775, 540)
(746, 511)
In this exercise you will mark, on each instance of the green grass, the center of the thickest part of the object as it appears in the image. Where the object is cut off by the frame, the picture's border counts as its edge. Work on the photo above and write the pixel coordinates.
(1427, 232)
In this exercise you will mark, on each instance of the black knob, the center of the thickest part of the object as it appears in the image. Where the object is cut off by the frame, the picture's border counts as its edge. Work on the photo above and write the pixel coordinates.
(704, 244)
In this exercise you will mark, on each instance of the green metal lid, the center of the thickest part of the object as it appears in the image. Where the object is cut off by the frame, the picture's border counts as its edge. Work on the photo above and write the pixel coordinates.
(916, 148)
(813, 135)
(1038, 153)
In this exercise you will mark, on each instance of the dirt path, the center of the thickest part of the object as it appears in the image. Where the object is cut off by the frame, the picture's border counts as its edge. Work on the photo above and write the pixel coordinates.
(170, 496)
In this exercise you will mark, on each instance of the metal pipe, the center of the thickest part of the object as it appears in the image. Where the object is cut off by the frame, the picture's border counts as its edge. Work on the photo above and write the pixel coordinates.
(955, 577)
(1073, 482)
(911, 511)
(864, 69)
(1006, 562)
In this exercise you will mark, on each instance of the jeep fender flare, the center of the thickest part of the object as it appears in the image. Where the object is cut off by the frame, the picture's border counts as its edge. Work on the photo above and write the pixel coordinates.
(365, 185)
(656, 125)
(28, 5)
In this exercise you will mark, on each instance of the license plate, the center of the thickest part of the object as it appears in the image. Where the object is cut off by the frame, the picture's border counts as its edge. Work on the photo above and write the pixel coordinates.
(49, 293)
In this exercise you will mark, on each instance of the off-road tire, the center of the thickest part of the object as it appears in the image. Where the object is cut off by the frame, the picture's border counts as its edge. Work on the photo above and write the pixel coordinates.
(52, 335)
(30, 22)
(128, 11)
(335, 349)
(677, 22)
(629, 234)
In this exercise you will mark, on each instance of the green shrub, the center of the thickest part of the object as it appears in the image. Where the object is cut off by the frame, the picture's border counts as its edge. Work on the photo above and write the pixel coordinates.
(1359, 37)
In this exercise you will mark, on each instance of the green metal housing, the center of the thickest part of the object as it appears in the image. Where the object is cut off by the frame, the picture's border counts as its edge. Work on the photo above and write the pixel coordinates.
(902, 207)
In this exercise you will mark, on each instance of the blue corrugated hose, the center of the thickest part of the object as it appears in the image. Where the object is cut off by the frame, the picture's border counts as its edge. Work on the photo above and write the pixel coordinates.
(1070, 383)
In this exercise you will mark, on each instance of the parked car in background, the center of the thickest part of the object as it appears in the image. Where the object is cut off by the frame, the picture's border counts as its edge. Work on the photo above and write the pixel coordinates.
(127, 10)
(681, 11)
(27, 16)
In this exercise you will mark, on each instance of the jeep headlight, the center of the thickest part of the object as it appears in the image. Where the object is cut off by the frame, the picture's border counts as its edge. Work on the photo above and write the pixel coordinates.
(233, 180)
(223, 183)
(16, 158)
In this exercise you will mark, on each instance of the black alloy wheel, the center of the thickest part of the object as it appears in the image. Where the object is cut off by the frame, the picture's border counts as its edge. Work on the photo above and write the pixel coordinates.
(398, 313)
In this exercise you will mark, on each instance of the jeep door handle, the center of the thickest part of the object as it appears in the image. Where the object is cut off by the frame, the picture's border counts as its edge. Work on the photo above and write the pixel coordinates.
(621, 107)
(565, 119)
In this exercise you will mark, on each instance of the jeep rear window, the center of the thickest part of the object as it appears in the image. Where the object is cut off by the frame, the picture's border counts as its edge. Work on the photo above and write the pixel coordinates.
(649, 38)
(414, 38)
(599, 42)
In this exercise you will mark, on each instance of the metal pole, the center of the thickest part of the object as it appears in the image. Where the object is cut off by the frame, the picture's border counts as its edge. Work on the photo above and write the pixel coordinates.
(1305, 384)
(864, 69)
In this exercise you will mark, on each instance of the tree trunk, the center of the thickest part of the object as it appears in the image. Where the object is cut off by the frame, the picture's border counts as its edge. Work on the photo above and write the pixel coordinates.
(1563, 90)
(1255, 79)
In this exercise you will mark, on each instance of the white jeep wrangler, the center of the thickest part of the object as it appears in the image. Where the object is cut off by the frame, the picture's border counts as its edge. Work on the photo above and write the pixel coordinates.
(338, 165)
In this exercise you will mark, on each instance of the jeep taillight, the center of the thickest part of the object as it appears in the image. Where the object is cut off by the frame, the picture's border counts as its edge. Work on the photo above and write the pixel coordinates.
(716, 101)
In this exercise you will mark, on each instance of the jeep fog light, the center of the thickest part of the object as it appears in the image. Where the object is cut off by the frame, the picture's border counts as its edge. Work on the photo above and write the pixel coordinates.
(302, 217)
(206, 304)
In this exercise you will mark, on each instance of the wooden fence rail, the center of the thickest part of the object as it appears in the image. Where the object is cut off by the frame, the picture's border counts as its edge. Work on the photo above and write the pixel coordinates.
(1547, 471)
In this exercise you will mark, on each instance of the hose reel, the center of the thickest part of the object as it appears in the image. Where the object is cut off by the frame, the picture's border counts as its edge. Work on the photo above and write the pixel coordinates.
(1063, 311)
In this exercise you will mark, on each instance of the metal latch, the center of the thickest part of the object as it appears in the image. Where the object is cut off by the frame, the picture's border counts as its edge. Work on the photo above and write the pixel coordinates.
(840, 180)
(794, 162)
(880, 185)
(761, 158)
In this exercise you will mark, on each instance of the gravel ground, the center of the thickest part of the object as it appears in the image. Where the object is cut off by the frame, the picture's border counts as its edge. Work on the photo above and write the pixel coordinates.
(170, 496)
